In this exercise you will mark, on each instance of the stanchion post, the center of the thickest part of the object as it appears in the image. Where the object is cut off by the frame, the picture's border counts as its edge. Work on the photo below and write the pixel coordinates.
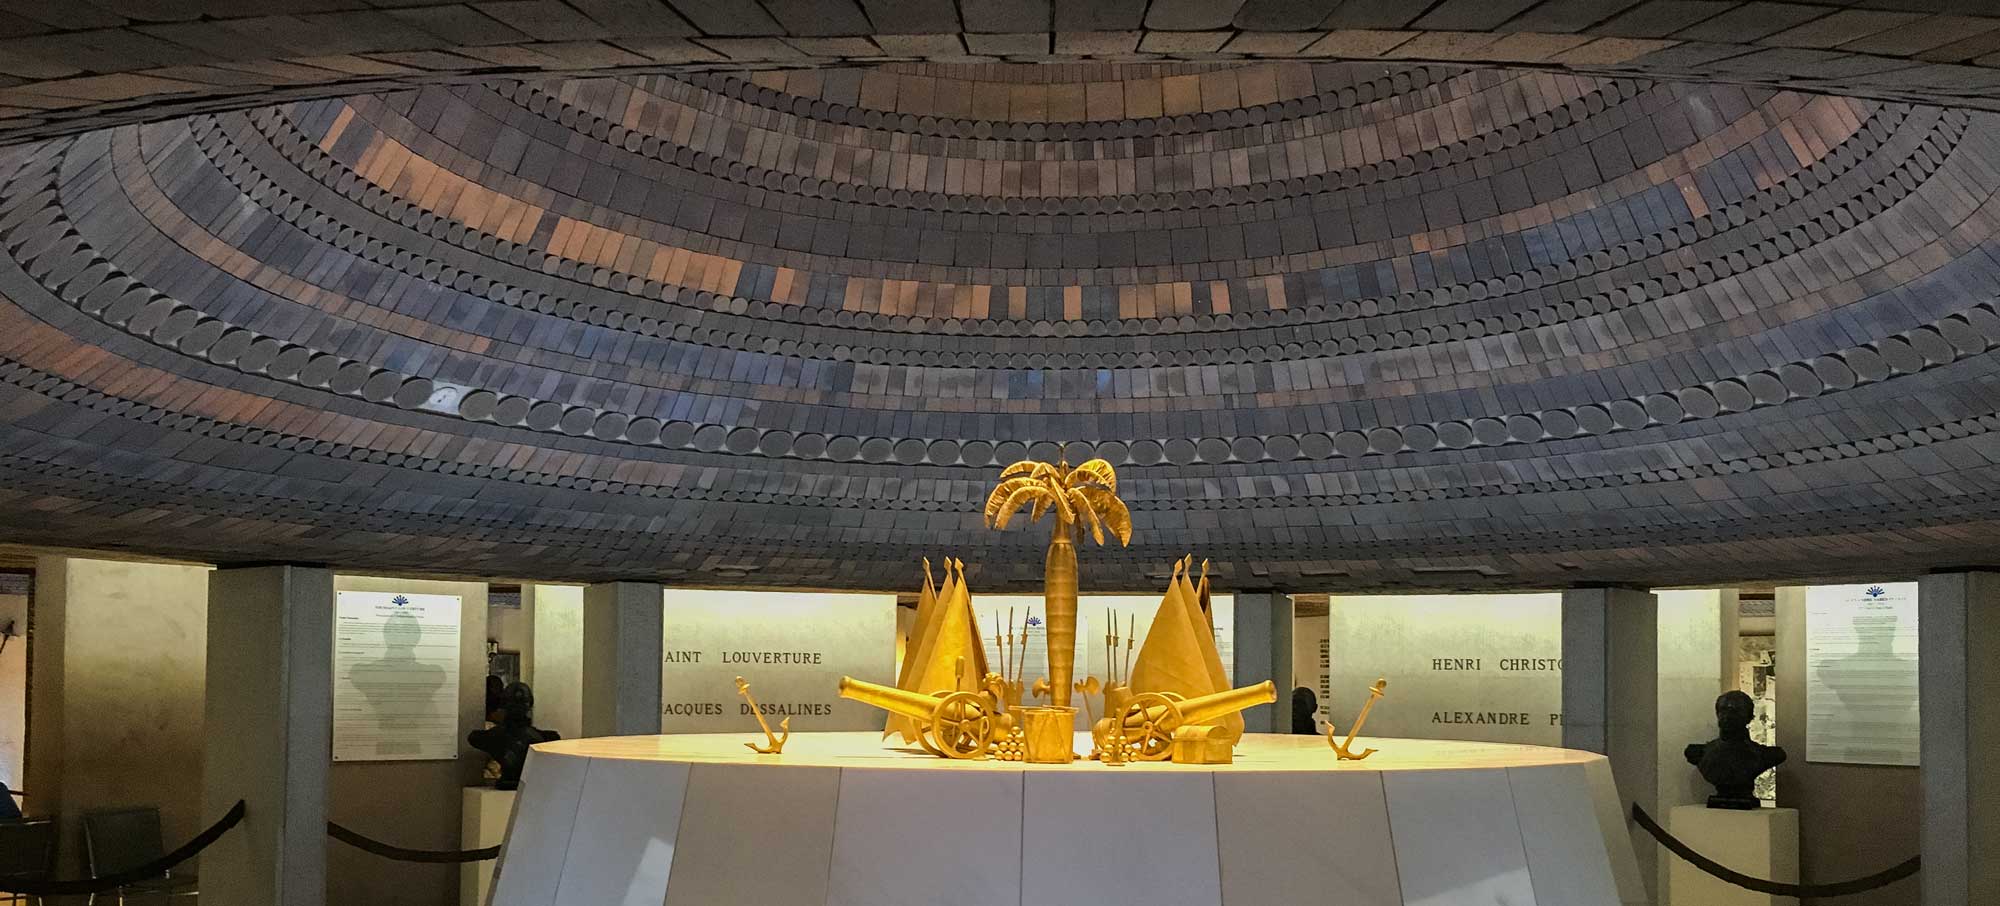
(269, 734)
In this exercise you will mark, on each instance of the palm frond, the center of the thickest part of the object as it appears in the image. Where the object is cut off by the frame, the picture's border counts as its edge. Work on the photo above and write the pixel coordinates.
(1015, 500)
(1087, 514)
(1002, 491)
(1112, 510)
(1096, 470)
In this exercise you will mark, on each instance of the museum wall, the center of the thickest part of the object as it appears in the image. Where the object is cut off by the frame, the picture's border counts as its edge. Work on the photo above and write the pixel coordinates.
(414, 804)
(555, 663)
(116, 694)
(1476, 667)
(13, 691)
(1853, 819)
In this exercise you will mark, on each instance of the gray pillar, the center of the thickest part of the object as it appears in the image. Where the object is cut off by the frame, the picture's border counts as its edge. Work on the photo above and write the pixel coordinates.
(1264, 652)
(1610, 695)
(1958, 629)
(621, 658)
(268, 722)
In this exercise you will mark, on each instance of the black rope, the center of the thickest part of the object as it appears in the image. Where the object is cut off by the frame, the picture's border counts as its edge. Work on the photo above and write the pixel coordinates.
(409, 855)
(154, 869)
(1882, 878)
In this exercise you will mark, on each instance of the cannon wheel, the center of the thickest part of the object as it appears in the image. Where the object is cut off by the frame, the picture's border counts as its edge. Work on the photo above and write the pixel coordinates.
(1150, 721)
(962, 725)
(923, 738)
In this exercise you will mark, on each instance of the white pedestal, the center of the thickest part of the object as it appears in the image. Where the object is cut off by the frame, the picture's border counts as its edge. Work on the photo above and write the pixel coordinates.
(483, 823)
(1762, 843)
(838, 820)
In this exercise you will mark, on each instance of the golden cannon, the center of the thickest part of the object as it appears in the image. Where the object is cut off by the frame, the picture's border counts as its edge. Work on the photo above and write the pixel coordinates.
(1150, 719)
(953, 724)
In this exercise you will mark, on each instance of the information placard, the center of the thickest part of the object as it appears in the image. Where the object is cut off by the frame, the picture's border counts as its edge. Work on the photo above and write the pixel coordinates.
(1861, 673)
(1470, 667)
(395, 689)
(792, 647)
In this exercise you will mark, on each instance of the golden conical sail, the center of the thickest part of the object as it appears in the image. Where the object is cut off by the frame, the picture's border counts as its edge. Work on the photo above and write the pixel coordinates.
(1203, 624)
(1179, 655)
(920, 629)
(949, 657)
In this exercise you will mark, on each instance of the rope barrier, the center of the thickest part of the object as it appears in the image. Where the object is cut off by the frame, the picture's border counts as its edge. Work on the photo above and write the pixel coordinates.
(1716, 869)
(435, 857)
(154, 869)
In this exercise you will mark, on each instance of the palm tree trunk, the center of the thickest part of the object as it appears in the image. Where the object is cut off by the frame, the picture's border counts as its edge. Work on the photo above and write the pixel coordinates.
(1059, 600)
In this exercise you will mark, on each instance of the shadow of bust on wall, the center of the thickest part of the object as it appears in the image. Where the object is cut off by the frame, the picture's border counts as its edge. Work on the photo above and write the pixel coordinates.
(1732, 760)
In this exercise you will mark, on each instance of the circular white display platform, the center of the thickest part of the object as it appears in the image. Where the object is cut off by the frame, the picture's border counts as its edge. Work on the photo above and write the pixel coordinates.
(841, 819)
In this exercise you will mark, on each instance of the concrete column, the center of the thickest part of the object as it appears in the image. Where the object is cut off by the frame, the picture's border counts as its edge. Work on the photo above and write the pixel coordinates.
(621, 658)
(557, 660)
(268, 723)
(1264, 652)
(1958, 629)
(1610, 685)
(1697, 646)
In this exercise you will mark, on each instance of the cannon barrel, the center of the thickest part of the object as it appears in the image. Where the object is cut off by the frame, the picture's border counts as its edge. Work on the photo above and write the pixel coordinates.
(1204, 708)
(913, 705)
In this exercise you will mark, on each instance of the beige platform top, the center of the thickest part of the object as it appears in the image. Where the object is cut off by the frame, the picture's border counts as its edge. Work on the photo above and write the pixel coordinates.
(1257, 752)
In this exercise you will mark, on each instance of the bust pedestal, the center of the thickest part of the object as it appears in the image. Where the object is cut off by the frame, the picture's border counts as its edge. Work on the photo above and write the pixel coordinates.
(1762, 843)
(482, 823)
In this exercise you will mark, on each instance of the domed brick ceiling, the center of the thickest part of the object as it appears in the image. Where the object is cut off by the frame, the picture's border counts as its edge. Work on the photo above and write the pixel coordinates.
(1337, 325)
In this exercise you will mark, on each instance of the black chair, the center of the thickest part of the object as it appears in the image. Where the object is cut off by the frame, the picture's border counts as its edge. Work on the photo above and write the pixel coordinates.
(27, 853)
(115, 840)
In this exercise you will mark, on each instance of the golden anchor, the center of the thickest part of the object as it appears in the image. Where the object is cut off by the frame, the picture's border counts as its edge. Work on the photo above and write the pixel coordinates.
(777, 742)
(1340, 748)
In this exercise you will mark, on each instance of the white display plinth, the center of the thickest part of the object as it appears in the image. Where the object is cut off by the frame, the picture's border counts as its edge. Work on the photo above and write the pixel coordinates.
(1762, 843)
(482, 823)
(838, 820)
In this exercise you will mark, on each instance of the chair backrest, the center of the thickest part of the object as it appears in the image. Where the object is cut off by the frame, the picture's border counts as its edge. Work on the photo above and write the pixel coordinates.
(117, 839)
(27, 849)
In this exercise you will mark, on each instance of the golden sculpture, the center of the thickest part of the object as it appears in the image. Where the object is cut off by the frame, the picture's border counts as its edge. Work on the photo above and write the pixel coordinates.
(1086, 494)
(1150, 721)
(956, 724)
(1048, 735)
(1202, 745)
(777, 743)
(946, 652)
(1341, 749)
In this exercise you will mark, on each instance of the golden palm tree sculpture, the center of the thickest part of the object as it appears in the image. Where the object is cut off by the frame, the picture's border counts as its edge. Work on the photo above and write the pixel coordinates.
(1086, 494)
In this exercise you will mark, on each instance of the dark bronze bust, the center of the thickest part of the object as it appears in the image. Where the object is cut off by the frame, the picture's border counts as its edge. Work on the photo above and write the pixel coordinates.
(508, 741)
(1732, 760)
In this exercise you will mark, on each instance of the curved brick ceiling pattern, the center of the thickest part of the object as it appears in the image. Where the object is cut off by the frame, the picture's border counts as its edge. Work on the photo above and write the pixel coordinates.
(1337, 324)
(83, 64)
